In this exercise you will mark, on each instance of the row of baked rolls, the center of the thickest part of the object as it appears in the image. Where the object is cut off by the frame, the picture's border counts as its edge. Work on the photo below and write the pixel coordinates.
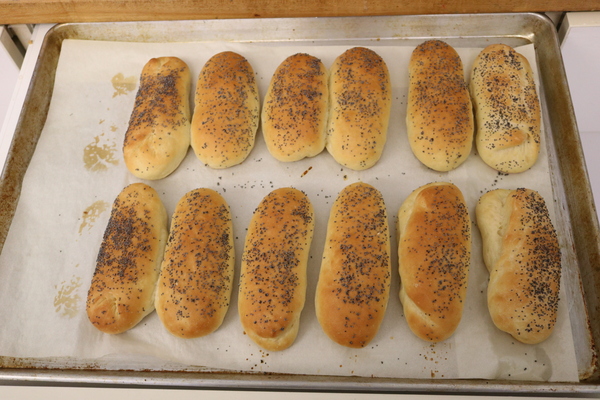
(346, 111)
(161, 128)
(193, 282)
(440, 117)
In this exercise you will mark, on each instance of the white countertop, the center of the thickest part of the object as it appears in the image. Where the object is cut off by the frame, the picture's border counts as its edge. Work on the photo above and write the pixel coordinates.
(582, 92)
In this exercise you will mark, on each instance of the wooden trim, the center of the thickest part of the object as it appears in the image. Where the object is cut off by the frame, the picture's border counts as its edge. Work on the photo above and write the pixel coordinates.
(56, 11)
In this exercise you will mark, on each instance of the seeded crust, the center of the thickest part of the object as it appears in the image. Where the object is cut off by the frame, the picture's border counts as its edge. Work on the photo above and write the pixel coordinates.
(121, 293)
(272, 288)
(294, 114)
(158, 136)
(439, 116)
(360, 95)
(507, 109)
(354, 281)
(522, 254)
(196, 277)
(434, 254)
(227, 111)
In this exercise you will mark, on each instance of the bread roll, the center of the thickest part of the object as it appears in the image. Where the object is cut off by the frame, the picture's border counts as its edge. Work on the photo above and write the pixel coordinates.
(196, 277)
(122, 290)
(360, 95)
(294, 114)
(226, 111)
(434, 255)
(507, 109)
(522, 254)
(439, 115)
(354, 281)
(158, 136)
(273, 275)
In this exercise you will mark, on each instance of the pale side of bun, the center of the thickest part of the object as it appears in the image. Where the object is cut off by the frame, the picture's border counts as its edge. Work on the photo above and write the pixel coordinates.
(439, 115)
(507, 109)
(158, 136)
(294, 114)
(227, 111)
(272, 288)
(196, 277)
(522, 254)
(121, 293)
(434, 256)
(354, 281)
(360, 99)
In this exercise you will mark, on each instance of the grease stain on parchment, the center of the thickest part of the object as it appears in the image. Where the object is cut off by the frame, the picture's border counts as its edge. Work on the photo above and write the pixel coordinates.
(123, 85)
(67, 300)
(100, 154)
(91, 214)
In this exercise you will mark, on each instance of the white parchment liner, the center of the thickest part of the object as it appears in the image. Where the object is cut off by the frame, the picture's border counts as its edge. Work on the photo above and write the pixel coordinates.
(49, 256)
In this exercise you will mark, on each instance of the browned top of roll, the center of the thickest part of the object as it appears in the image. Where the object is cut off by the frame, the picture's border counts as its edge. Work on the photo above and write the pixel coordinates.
(439, 111)
(525, 268)
(122, 288)
(360, 95)
(226, 111)
(196, 277)
(354, 281)
(507, 109)
(294, 115)
(273, 273)
(158, 135)
(434, 254)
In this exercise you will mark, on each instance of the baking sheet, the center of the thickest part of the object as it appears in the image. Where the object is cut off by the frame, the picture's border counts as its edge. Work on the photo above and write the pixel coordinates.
(77, 170)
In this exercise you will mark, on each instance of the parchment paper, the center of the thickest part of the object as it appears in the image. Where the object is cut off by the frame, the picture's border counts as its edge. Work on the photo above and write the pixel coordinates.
(77, 171)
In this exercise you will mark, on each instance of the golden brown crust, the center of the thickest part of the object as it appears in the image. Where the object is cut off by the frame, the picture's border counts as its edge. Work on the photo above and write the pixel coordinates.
(273, 274)
(121, 293)
(294, 115)
(196, 277)
(439, 112)
(226, 111)
(507, 109)
(354, 281)
(158, 136)
(522, 254)
(360, 96)
(434, 255)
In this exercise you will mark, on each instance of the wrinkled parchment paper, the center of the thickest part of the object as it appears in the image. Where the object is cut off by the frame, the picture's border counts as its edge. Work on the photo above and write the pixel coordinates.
(77, 171)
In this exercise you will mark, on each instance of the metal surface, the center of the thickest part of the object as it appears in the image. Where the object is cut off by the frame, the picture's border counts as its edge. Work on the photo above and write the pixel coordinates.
(573, 195)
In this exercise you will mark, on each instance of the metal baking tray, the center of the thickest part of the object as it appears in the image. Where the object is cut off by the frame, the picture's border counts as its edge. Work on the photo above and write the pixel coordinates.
(573, 195)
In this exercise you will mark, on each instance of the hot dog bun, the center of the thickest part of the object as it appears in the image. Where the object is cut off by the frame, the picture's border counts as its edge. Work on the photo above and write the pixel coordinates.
(158, 136)
(354, 281)
(522, 254)
(273, 274)
(196, 277)
(507, 109)
(439, 115)
(294, 115)
(434, 256)
(122, 290)
(226, 111)
(360, 98)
